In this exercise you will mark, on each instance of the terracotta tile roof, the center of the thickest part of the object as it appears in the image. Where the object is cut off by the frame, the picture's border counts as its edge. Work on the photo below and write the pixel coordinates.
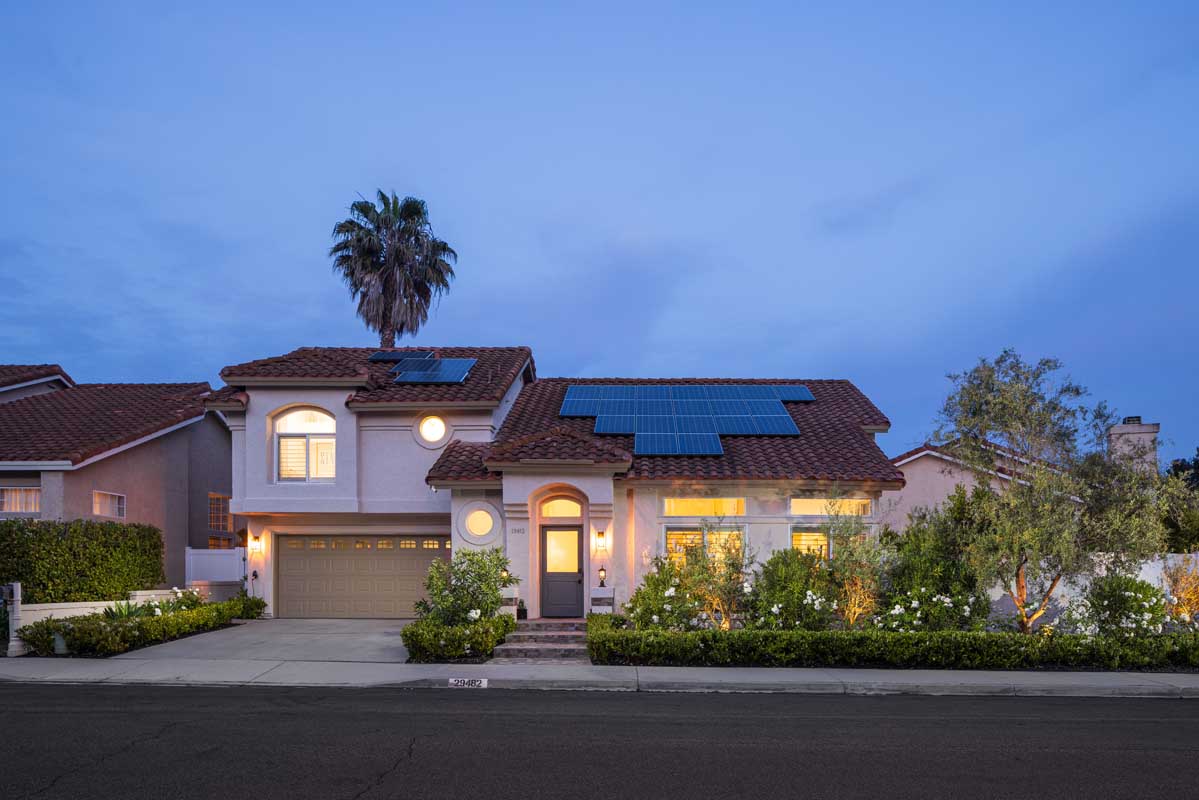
(461, 461)
(560, 443)
(20, 373)
(91, 418)
(226, 397)
(831, 446)
(946, 453)
(489, 379)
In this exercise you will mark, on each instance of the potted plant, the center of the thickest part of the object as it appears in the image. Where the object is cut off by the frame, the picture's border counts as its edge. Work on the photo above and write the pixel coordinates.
(521, 611)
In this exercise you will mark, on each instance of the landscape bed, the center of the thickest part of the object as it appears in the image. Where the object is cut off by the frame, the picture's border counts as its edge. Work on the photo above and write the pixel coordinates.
(610, 644)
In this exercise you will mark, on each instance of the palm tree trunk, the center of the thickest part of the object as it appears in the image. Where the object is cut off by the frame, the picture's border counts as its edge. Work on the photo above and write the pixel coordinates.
(387, 338)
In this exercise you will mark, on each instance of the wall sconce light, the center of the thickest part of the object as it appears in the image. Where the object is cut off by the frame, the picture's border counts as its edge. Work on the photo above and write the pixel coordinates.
(603, 576)
(504, 574)
(601, 541)
(256, 543)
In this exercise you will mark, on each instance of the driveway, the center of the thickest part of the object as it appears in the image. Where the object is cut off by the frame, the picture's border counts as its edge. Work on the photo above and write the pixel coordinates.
(368, 640)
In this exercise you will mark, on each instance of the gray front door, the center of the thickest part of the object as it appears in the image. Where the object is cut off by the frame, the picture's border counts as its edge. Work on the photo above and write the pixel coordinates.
(561, 571)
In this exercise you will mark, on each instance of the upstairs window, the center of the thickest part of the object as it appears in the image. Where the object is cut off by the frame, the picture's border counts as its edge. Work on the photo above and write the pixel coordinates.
(704, 507)
(825, 506)
(306, 445)
(219, 518)
(107, 504)
(20, 499)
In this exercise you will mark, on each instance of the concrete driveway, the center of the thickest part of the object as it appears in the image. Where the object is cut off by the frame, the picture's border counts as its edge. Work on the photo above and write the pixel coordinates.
(366, 640)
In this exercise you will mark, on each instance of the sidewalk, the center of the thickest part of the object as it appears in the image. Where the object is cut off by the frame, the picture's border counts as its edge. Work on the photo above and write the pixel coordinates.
(234, 672)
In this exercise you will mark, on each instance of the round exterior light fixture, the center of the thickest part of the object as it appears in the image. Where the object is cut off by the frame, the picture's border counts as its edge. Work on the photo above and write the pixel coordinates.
(480, 522)
(432, 429)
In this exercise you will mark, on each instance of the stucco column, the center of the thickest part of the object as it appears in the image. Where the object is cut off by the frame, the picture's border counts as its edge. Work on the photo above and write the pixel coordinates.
(259, 548)
(518, 548)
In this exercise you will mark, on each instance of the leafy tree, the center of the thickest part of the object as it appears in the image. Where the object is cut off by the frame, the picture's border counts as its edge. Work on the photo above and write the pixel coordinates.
(858, 562)
(1187, 470)
(1072, 508)
(931, 554)
(392, 263)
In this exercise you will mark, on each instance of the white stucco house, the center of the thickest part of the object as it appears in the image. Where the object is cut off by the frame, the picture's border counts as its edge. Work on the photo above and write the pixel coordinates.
(355, 468)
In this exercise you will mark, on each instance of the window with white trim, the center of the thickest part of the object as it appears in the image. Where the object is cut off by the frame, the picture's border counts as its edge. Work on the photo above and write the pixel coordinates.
(809, 540)
(108, 504)
(219, 518)
(305, 446)
(827, 506)
(21, 499)
(714, 541)
(703, 507)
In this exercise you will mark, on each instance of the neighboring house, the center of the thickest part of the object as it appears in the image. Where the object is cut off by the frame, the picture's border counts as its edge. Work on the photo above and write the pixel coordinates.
(356, 468)
(931, 472)
(129, 452)
(25, 380)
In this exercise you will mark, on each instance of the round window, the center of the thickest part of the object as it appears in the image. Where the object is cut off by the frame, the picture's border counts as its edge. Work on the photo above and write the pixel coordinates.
(480, 522)
(432, 429)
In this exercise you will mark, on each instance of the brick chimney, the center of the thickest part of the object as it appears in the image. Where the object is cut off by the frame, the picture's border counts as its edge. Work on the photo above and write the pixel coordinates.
(1135, 438)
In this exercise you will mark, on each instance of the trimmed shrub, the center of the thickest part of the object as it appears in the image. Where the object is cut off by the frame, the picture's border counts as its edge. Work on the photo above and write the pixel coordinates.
(922, 609)
(79, 561)
(428, 640)
(99, 635)
(874, 648)
(1117, 605)
(665, 599)
(794, 590)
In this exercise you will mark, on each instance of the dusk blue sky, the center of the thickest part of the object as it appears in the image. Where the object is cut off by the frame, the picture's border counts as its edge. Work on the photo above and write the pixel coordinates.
(758, 190)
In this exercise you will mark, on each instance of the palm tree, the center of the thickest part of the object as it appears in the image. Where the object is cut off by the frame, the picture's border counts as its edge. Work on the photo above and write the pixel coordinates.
(394, 265)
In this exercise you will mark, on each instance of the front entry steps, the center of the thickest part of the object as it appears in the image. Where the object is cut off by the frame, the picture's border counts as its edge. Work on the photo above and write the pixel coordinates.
(545, 641)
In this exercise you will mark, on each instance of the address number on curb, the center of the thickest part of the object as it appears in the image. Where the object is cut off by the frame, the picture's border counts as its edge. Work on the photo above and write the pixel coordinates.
(468, 683)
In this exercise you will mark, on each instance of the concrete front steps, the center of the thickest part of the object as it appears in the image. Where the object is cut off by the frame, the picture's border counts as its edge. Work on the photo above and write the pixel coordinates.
(539, 641)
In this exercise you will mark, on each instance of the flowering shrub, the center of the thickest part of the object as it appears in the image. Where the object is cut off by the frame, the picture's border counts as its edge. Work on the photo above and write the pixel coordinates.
(922, 609)
(429, 641)
(467, 588)
(1118, 606)
(793, 591)
(1182, 590)
(665, 599)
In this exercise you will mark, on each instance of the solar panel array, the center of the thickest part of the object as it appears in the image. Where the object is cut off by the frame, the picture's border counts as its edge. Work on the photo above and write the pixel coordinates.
(686, 419)
(416, 366)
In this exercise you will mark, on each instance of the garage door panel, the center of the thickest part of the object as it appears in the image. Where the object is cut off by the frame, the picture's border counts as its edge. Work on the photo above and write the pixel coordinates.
(355, 577)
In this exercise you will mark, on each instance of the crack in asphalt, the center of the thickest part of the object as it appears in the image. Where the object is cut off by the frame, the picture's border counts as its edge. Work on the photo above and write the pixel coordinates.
(119, 751)
(405, 756)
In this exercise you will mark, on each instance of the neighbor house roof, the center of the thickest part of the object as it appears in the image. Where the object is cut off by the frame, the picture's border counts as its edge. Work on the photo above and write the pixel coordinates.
(12, 374)
(88, 419)
(495, 370)
(945, 453)
(832, 445)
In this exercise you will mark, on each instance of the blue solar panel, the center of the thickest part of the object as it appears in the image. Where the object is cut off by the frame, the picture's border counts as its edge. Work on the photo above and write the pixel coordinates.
(580, 408)
(735, 426)
(446, 370)
(619, 392)
(794, 394)
(722, 391)
(689, 392)
(700, 444)
(615, 424)
(729, 407)
(656, 444)
(584, 392)
(765, 408)
(651, 392)
(614, 407)
(415, 364)
(778, 425)
(758, 391)
(694, 425)
(656, 424)
(653, 407)
(692, 408)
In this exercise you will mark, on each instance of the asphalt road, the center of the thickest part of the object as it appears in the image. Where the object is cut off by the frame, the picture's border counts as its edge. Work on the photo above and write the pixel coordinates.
(177, 742)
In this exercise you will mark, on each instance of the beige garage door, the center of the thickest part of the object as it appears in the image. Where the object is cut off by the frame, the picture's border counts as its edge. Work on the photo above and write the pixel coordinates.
(364, 577)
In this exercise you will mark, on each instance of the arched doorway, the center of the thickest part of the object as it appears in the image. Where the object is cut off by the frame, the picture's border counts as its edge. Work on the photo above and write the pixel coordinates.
(561, 531)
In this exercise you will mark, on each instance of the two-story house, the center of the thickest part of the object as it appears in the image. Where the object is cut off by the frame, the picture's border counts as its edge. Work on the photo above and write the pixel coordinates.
(356, 467)
(126, 452)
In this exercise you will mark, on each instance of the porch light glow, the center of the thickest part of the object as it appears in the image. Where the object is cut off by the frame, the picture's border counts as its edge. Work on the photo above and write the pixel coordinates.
(603, 575)
(256, 543)
(601, 541)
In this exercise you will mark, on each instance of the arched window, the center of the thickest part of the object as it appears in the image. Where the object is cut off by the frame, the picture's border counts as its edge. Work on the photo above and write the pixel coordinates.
(305, 445)
(561, 507)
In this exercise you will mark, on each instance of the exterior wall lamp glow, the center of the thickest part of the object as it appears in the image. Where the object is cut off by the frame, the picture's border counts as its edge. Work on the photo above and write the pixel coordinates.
(603, 576)
(601, 541)
(256, 543)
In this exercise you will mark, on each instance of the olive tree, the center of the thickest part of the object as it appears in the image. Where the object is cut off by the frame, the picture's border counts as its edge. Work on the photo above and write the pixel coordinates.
(1061, 505)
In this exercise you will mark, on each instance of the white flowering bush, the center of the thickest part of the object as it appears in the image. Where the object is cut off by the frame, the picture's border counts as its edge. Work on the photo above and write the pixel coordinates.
(666, 599)
(794, 591)
(1116, 605)
(924, 609)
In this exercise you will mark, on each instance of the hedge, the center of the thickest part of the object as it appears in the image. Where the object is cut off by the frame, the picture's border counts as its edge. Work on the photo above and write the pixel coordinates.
(96, 635)
(608, 643)
(79, 561)
(430, 642)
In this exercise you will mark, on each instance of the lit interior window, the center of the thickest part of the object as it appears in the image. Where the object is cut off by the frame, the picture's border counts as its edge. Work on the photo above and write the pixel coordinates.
(704, 507)
(822, 506)
(561, 507)
(715, 542)
(307, 446)
(386, 544)
(407, 544)
(430, 544)
(339, 544)
(809, 541)
(480, 522)
(432, 429)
